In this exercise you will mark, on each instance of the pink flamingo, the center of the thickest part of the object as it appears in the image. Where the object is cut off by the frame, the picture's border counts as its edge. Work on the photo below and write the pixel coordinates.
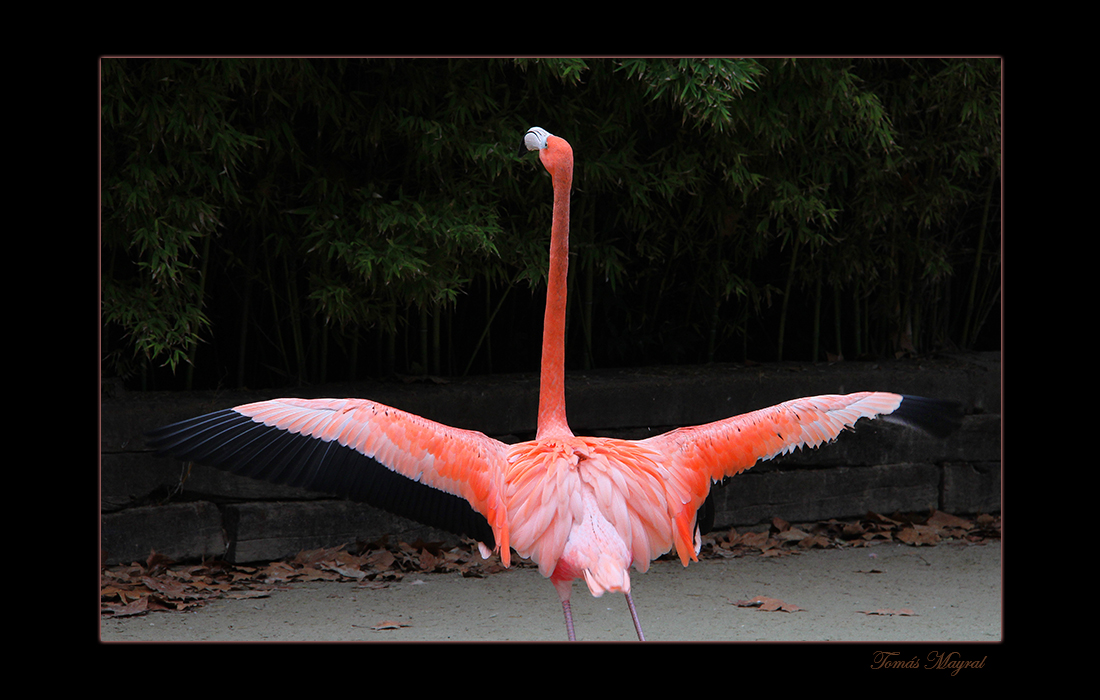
(580, 507)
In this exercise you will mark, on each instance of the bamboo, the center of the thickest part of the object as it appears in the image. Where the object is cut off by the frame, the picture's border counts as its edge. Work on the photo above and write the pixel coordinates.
(194, 349)
(786, 298)
(967, 338)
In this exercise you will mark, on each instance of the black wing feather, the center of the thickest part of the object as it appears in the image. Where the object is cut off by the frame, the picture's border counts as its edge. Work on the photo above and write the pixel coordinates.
(235, 443)
(936, 417)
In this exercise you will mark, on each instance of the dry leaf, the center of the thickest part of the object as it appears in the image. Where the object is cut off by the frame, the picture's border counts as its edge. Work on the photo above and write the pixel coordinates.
(852, 530)
(346, 571)
(381, 559)
(244, 595)
(754, 539)
(428, 561)
(919, 535)
(880, 519)
(767, 604)
(791, 535)
(814, 541)
(946, 520)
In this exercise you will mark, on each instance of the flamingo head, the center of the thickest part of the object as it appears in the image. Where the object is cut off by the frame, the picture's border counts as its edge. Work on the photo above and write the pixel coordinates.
(555, 153)
(534, 139)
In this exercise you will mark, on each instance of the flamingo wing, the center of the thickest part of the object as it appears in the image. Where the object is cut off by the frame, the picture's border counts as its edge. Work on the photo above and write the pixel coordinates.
(438, 475)
(700, 455)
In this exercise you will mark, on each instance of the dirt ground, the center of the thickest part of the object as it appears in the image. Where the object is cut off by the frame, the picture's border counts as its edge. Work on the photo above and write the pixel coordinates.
(953, 591)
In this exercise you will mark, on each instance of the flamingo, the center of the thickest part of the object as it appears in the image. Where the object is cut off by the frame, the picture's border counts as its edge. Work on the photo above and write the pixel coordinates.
(580, 507)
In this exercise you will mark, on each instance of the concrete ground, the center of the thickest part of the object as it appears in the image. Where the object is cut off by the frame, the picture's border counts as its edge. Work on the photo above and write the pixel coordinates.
(953, 590)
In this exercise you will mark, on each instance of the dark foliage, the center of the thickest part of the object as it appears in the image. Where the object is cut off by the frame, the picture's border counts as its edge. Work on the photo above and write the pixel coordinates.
(280, 221)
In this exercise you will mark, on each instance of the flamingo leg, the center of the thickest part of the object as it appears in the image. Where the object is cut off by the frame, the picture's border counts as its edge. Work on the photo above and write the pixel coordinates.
(634, 616)
(568, 620)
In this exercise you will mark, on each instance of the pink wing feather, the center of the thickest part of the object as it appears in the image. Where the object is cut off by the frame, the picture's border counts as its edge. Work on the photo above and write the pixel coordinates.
(346, 447)
(703, 454)
(464, 463)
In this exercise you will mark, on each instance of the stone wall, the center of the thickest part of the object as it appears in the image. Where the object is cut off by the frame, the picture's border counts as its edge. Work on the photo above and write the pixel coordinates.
(190, 512)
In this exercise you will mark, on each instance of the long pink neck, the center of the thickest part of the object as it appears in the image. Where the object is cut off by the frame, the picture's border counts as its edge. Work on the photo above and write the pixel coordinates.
(558, 159)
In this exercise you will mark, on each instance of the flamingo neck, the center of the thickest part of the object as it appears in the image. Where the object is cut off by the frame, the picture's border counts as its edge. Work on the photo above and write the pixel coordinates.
(558, 159)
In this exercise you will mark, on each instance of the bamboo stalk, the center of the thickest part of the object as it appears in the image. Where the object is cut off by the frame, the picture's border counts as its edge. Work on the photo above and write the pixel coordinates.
(786, 299)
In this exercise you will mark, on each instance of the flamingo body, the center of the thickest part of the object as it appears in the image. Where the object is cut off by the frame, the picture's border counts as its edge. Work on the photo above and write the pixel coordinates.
(580, 507)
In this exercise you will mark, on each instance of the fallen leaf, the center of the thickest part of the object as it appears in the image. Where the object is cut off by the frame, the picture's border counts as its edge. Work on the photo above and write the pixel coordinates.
(814, 541)
(880, 519)
(244, 595)
(946, 520)
(347, 571)
(753, 539)
(791, 535)
(428, 561)
(852, 530)
(904, 612)
(388, 625)
(767, 604)
(136, 607)
(919, 535)
(167, 588)
(381, 559)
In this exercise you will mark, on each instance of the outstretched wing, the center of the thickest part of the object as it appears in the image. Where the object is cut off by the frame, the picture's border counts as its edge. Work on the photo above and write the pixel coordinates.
(362, 450)
(701, 455)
